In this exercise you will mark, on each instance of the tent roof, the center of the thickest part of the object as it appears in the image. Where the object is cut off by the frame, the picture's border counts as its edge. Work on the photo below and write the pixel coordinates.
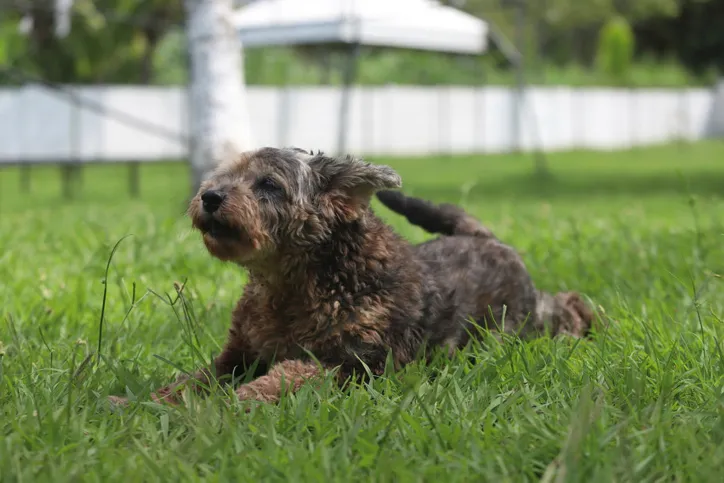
(415, 24)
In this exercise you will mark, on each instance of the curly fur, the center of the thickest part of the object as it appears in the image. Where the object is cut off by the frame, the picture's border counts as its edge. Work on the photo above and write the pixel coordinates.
(328, 278)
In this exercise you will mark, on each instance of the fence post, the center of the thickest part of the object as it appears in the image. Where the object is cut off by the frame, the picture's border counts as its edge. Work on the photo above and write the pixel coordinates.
(66, 174)
(134, 179)
(25, 184)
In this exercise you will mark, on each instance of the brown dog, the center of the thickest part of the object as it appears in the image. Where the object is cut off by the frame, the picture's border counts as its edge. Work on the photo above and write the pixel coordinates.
(329, 279)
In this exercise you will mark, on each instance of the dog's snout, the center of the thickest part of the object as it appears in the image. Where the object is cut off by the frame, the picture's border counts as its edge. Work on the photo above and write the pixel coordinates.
(212, 200)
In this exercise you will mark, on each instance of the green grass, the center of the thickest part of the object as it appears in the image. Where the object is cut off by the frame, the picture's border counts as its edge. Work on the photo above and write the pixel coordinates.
(640, 233)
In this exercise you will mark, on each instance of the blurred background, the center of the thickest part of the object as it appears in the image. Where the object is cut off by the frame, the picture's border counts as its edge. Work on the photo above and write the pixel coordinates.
(89, 82)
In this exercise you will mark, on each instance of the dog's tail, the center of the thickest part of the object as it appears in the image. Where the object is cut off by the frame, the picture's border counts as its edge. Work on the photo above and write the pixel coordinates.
(445, 219)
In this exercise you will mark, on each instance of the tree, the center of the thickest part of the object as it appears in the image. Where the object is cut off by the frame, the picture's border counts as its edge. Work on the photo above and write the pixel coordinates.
(566, 31)
(109, 40)
(694, 35)
(218, 111)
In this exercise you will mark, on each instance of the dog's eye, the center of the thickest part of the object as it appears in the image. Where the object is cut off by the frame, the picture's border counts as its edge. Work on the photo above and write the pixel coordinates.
(268, 184)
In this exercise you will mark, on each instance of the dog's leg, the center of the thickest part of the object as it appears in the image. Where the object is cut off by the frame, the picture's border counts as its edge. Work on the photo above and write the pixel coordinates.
(286, 376)
(579, 318)
(171, 393)
(231, 362)
(566, 312)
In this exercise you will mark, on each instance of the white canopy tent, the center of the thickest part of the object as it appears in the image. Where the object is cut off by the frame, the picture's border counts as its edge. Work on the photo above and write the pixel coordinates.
(410, 24)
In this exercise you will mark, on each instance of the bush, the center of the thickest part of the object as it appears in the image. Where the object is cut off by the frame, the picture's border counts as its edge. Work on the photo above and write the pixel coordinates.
(615, 50)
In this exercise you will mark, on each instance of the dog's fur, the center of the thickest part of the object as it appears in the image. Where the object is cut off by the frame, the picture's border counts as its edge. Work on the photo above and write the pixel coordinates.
(328, 278)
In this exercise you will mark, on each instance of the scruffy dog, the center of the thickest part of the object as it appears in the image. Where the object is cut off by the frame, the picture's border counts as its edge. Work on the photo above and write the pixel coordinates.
(329, 279)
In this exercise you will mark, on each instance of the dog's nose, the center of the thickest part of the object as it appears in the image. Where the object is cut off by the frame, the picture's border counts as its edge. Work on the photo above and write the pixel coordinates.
(211, 200)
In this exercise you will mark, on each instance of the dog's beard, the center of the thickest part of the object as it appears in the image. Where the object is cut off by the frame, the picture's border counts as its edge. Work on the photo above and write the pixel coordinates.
(224, 240)
(221, 230)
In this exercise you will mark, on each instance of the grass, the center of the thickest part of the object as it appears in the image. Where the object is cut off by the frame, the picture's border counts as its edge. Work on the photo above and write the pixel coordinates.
(639, 232)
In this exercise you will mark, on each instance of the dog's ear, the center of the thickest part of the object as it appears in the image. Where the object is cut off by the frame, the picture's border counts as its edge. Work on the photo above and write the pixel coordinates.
(352, 181)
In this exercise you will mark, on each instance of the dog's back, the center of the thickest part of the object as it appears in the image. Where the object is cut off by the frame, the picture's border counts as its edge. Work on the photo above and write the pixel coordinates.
(478, 274)
(481, 268)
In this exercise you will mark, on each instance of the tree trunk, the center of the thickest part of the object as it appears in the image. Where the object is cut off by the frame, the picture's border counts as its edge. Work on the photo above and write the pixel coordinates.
(152, 38)
(218, 117)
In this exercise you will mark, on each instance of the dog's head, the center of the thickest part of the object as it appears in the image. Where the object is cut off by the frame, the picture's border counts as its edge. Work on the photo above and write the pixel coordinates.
(281, 201)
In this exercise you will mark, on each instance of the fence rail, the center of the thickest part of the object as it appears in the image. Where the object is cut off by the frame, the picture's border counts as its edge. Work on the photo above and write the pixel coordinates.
(132, 123)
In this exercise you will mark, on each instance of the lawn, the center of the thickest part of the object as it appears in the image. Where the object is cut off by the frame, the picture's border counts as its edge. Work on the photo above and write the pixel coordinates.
(639, 233)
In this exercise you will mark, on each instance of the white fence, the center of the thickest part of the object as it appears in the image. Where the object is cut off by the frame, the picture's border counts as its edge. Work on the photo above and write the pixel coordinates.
(38, 125)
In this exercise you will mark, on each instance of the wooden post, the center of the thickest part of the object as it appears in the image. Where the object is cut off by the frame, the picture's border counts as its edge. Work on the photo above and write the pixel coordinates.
(66, 176)
(25, 182)
(134, 179)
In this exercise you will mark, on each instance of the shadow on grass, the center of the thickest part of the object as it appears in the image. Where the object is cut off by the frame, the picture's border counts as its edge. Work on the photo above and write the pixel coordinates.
(556, 186)
(573, 177)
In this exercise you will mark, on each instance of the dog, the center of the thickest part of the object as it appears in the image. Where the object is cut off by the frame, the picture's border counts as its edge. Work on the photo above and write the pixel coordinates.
(332, 288)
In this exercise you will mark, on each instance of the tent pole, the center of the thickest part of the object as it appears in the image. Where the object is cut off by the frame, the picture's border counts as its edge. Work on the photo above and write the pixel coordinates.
(519, 74)
(349, 76)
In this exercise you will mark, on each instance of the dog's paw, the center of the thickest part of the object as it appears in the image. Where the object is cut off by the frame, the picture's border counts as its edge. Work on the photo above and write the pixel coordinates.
(581, 319)
(117, 402)
(167, 398)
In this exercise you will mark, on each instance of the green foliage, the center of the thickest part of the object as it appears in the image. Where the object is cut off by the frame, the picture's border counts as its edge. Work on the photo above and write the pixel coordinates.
(566, 14)
(639, 402)
(278, 66)
(141, 41)
(170, 58)
(616, 49)
(566, 31)
(109, 40)
(695, 36)
(8, 40)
